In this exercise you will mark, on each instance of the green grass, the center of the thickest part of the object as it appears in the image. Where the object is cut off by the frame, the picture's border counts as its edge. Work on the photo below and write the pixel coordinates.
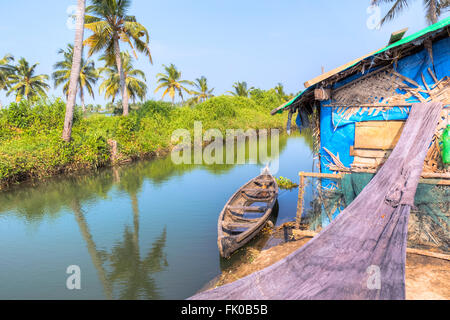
(31, 145)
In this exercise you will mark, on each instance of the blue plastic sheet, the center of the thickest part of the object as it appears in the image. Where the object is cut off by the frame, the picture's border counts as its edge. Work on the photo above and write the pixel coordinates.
(338, 134)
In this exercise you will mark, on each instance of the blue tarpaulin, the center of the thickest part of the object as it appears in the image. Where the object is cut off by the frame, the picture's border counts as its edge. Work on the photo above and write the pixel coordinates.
(338, 134)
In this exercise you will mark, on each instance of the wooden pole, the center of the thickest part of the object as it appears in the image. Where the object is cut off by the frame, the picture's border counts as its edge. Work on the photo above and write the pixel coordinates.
(301, 192)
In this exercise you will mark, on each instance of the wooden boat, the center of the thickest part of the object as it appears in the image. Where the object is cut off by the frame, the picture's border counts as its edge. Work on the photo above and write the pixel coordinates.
(243, 216)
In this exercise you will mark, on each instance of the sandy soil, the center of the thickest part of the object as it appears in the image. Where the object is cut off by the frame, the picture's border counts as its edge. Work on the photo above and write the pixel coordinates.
(427, 278)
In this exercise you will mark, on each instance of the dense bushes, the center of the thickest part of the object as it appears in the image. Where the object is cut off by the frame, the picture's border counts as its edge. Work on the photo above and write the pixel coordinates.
(31, 145)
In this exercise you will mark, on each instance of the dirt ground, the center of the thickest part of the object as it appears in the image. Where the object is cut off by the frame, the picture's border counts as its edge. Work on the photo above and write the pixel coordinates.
(427, 278)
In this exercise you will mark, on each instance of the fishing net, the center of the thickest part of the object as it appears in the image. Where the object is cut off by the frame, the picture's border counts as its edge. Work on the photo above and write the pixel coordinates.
(428, 225)
(368, 238)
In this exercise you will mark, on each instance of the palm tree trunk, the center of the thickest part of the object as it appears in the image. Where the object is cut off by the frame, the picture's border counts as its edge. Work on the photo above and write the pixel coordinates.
(122, 77)
(433, 13)
(75, 72)
(83, 106)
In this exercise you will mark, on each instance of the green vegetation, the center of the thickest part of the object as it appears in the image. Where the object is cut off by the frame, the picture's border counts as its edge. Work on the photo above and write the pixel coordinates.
(88, 74)
(30, 134)
(24, 83)
(171, 80)
(5, 71)
(202, 92)
(241, 89)
(136, 88)
(30, 129)
(110, 23)
(285, 183)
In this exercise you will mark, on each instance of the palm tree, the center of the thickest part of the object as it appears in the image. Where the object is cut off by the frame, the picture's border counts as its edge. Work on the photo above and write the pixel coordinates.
(75, 70)
(5, 71)
(434, 8)
(279, 88)
(136, 88)
(87, 78)
(171, 81)
(241, 90)
(203, 92)
(24, 83)
(109, 24)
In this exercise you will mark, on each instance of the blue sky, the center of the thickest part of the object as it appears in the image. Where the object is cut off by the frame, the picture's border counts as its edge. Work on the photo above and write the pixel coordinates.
(262, 42)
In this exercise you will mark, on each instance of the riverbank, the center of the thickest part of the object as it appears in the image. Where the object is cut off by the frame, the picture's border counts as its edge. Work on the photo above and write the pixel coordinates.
(31, 145)
(427, 277)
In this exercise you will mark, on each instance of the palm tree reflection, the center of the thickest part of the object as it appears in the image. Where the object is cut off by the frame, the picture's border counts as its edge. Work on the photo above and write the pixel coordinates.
(128, 271)
(97, 256)
(133, 273)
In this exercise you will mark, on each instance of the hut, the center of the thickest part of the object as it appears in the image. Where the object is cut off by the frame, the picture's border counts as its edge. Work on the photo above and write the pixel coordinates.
(358, 110)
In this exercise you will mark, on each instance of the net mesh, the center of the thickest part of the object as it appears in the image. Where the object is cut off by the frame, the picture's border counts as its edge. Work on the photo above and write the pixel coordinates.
(428, 226)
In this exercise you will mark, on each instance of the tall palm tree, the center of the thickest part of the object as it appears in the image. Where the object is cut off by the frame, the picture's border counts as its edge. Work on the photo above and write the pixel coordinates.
(24, 83)
(109, 24)
(87, 78)
(171, 81)
(241, 90)
(75, 70)
(136, 88)
(434, 8)
(202, 92)
(5, 71)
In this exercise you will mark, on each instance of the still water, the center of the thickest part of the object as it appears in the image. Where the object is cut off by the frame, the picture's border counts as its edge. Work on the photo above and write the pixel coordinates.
(144, 231)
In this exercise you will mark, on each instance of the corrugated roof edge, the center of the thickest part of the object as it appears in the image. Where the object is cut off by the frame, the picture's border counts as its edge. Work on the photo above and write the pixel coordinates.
(434, 27)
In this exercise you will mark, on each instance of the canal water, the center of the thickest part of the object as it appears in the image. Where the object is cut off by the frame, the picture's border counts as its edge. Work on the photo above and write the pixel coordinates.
(147, 230)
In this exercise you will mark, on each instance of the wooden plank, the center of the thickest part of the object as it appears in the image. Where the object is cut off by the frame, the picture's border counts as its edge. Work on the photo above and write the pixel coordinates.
(321, 175)
(257, 190)
(322, 94)
(248, 208)
(237, 225)
(369, 153)
(428, 253)
(405, 78)
(366, 161)
(374, 105)
(438, 175)
(377, 134)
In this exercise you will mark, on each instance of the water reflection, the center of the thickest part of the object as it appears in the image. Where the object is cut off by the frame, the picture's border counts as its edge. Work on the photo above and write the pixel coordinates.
(128, 265)
(98, 256)
(131, 272)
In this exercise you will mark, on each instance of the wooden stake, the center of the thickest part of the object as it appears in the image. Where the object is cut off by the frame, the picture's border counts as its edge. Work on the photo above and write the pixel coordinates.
(301, 192)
